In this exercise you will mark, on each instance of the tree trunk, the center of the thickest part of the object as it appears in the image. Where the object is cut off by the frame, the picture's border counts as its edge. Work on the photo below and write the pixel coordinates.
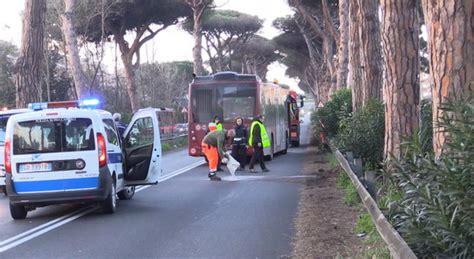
(67, 18)
(355, 70)
(343, 53)
(401, 84)
(31, 59)
(197, 36)
(451, 51)
(370, 57)
(131, 84)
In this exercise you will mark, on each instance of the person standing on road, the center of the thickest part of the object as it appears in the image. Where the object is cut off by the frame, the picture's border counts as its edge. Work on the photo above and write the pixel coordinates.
(215, 124)
(258, 140)
(213, 148)
(239, 144)
(121, 127)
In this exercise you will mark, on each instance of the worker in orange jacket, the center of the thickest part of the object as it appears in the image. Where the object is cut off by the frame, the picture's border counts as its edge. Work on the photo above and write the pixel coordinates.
(213, 148)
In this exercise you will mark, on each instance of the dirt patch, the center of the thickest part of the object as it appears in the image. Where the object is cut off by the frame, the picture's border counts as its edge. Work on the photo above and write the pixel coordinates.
(324, 224)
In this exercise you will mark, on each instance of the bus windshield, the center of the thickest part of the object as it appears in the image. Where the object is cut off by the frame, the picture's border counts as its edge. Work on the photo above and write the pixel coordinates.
(224, 100)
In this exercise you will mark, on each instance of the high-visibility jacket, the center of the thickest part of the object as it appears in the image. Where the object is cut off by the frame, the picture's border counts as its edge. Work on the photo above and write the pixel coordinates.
(263, 134)
(212, 126)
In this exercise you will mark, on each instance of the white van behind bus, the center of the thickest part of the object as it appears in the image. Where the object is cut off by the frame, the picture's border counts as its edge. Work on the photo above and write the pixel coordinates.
(66, 155)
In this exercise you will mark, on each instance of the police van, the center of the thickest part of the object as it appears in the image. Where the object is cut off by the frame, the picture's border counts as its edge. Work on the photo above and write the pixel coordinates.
(66, 152)
(4, 116)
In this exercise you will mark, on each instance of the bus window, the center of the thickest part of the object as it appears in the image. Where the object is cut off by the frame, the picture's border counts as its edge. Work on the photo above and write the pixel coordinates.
(202, 105)
(236, 100)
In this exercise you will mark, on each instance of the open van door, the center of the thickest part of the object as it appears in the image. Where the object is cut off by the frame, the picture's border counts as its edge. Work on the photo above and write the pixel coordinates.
(142, 149)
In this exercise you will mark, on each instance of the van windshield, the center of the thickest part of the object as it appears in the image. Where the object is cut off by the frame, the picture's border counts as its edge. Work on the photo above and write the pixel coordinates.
(53, 135)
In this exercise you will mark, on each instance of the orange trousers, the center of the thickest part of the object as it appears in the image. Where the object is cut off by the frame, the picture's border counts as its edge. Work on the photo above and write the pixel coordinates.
(212, 156)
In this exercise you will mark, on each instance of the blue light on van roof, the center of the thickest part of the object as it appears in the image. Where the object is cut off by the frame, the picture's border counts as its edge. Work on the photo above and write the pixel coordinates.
(37, 106)
(90, 102)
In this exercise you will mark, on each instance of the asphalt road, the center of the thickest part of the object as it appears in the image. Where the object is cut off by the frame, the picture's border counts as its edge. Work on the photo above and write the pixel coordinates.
(186, 216)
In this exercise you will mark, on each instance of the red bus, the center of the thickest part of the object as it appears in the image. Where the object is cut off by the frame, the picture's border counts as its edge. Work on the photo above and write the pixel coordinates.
(294, 117)
(228, 95)
(166, 117)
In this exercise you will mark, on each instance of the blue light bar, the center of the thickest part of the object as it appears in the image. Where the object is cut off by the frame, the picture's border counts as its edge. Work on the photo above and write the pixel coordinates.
(37, 106)
(90, 102)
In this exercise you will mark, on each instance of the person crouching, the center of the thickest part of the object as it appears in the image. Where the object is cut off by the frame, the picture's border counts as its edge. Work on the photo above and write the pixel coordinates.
(213, 148)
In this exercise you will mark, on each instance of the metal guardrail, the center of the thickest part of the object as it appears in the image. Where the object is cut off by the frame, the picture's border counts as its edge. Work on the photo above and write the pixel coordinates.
(397, 246)
(165, 137)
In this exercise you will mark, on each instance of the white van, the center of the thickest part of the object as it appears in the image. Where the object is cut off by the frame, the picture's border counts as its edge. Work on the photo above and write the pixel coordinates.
(4, 116)
(65, 155)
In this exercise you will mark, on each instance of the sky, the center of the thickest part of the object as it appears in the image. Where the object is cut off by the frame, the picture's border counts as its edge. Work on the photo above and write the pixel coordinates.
(173, 43)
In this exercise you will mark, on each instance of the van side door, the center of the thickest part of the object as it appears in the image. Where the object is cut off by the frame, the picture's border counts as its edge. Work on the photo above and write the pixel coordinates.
(142, 149)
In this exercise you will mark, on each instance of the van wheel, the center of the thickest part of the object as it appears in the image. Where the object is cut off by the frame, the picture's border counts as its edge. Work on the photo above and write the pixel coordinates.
(109, 205)
(127, 193)
(18, 211)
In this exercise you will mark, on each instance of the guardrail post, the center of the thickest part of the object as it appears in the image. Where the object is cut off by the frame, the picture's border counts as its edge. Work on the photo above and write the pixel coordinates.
(369, 182)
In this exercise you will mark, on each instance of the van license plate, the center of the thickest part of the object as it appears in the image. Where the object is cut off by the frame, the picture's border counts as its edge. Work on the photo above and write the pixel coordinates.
(36, 167)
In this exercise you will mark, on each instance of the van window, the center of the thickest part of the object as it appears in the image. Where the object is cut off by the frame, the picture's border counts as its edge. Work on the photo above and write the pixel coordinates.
(53, 135)
(110, 131)
(140, 134)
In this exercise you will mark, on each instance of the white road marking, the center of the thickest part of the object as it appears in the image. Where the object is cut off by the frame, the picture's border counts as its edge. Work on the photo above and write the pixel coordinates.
(45, 230)
(56, 223)
(266, 177)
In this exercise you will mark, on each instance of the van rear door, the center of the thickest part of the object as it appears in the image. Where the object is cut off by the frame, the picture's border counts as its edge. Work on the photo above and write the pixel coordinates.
(54, 154)
(142, 149)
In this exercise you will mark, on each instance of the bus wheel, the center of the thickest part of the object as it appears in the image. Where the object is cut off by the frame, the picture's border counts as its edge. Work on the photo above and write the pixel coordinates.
(284, 151)
(295, 143)
(272, 151)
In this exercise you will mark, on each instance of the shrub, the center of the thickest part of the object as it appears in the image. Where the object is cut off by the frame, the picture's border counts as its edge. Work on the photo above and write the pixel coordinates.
(326, 119)
(426, 127)
(363, 134)
(436, 211)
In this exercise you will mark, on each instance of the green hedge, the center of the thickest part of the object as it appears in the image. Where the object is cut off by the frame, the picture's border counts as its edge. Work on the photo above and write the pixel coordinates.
(363, 134)
(326, 119)
(435, 214)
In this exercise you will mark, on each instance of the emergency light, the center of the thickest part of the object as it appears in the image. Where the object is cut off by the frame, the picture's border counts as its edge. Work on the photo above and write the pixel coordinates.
(87, 103)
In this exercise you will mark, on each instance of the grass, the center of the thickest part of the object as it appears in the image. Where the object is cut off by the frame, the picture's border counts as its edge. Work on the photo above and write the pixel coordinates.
(351, 196)
(375, 246)
(332, 161)
(168, 145)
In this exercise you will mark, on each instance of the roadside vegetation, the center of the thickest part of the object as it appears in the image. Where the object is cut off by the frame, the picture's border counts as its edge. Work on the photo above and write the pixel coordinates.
(428, 200)
(172, 144)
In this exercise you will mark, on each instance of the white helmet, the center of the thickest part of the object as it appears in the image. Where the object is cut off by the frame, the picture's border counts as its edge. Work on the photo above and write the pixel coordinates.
(117, 117)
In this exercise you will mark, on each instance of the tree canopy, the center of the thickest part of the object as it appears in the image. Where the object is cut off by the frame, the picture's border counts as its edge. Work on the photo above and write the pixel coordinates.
(223, 29)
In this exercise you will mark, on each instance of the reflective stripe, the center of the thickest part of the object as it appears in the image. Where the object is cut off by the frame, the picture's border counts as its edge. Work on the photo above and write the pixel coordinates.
(57, 185)
(115, 158)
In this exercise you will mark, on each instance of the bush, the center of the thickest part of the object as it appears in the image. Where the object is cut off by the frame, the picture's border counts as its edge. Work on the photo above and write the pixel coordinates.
(435, 214)
(363, 134)
(426, 127)
(326, 119)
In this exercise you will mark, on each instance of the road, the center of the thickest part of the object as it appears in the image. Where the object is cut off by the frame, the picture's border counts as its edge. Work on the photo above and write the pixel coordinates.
(185, 216)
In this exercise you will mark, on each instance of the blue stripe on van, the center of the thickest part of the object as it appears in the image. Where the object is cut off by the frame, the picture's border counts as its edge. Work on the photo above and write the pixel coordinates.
(56, 185)
(115, 158)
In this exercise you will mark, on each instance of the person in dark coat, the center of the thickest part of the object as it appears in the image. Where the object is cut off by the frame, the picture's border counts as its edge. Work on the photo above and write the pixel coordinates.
(239, 144)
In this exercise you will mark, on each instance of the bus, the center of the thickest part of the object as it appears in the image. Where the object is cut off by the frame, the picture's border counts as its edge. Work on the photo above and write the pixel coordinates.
(228, 95)
(166, 117)
(294, 117)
